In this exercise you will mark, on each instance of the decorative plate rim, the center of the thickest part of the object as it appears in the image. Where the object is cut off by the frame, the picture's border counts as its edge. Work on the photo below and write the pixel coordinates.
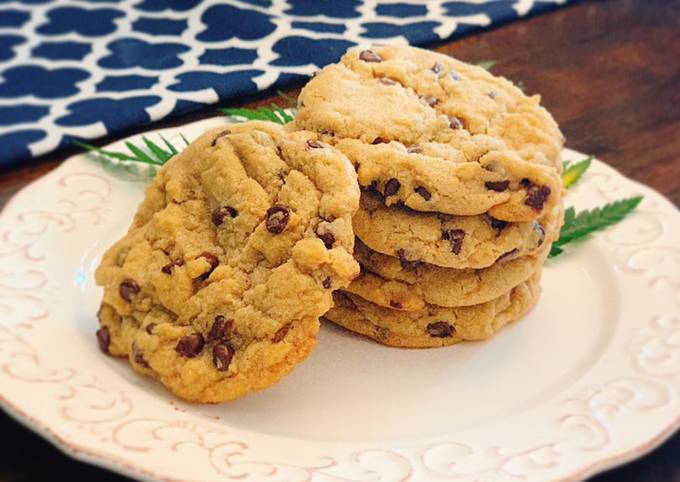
(429, 459)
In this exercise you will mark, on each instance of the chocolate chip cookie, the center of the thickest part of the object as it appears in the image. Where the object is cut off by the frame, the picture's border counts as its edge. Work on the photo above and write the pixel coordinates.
(459, 242)
(437, 134)
(217, 288)
(433, 326)
(389, 282)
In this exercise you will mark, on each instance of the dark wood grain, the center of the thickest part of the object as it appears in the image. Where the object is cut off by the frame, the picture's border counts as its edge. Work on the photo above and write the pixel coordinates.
(610, 74)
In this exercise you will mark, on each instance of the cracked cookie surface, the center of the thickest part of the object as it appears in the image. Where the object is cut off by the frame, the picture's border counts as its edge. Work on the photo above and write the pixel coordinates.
(433, 326)
(386, 281)
(437, 134)
(445, 240)
(217, 287)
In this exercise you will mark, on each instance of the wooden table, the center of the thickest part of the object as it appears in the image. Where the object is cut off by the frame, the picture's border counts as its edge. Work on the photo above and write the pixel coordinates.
(609, 72)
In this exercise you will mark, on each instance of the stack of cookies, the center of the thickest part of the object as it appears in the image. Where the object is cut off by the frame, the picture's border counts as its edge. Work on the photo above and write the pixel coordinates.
(460, 178)
(252, 233)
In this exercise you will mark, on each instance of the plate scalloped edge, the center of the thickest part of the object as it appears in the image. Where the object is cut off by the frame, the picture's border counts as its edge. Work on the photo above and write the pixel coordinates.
(624, 406)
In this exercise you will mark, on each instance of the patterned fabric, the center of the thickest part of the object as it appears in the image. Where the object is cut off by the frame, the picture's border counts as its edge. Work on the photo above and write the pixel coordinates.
(88, 68)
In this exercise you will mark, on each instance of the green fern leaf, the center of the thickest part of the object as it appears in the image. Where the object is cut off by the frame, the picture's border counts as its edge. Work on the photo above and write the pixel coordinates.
(161, 155)
(157, 157)
(572, 173)
(169, 145)
(487, 64)
(120, 156)
(579, 225)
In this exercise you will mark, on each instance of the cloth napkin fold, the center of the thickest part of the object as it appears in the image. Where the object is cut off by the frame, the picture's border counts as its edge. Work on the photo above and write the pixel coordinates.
(87, 69)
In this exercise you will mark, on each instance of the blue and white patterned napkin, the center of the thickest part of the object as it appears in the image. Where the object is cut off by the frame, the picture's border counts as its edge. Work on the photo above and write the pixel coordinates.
(85, 69)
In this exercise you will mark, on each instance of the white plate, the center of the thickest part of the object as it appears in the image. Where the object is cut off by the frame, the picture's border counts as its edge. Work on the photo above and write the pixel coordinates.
(590, 379)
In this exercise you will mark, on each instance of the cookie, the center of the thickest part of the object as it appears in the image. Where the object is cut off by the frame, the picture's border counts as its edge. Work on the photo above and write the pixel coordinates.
(444, 240)
(498, 182)
(437, 134)
(217, 288)
(433, 326)
(386, 281)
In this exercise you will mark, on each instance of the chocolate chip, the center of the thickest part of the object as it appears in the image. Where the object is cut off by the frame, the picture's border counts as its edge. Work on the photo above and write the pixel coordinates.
(190, 345)
(454, 75)
(538, 227)
(220, 328)
(512, 254)
(149, 328)
(455, 122)
(410, 265)
(222, 355)
(127, 289)
(414, 149)
(219, 136)
(392, 187)
(277, 218)
(104, 338)
(405, 262)
(281, 333)
(139, 358)
(167, 269)
(312, 144)
(211, 259)
(440, 329)
(380, 140)
(498, 186)
(429, 100)
(455, 236)
(369, 56)
(387, 81)
(537, 196)
(436, 68)
(343, 300)
(526, 182)
(424, 193)
(396, 305)
(327, 238)
(498, 225)
(322, 230)
(222, 212)
(326, 283)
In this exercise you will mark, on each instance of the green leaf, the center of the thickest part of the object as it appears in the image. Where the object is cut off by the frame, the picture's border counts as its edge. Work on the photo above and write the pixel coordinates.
(158, 157)
(285, 116)
(569, 215)
(173, 151)
(141, 155)
(121, 156)
(161, 155)
(273, 113)
(186, 141)
(572, 173)
(487, 64)
(555, 251)
(241, 114)
(579, 225)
